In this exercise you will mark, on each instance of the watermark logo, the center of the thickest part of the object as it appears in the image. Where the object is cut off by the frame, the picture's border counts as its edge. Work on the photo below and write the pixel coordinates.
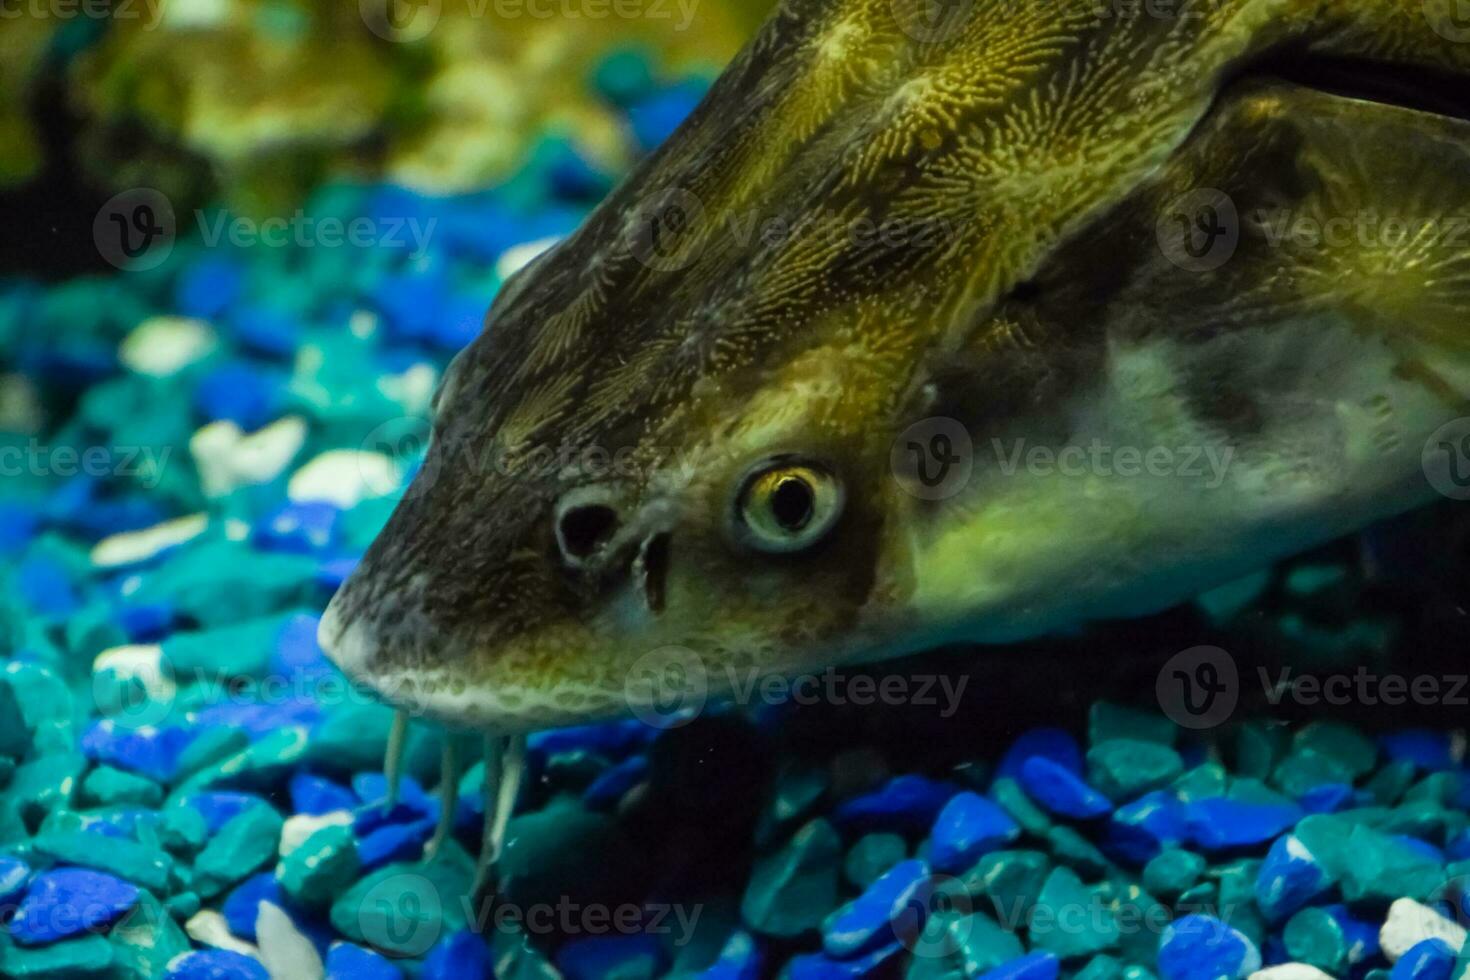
(667, 688)
(933, 458)
(1446, 459)
(1450, 19)
(664, 232)
(401, 913)
(135, 230)
(401, 21)
(1199, 687)
(1199, 231)
(932, 21)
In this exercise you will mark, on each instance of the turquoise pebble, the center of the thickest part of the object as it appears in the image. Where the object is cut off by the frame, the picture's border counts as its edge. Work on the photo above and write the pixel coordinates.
(870, 856)
(319, 868)
(1172, 871)
(1123, 768)
(1107, 721)
(1069, 920)
(791, 891)
(245, 843)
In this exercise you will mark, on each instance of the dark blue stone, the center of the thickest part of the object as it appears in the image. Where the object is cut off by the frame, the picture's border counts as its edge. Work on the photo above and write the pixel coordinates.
(1055, 744)
(152, 752)
(1327, 798)
(68, 902)
(611, 739)
(968, 827)
(18, 525)
(1289, 878)
(208, 287)
(819, 966)
(317, 795)
(895, 906)
(44, 584)
(1061, 791)
(1032, 966)
(395, 842)
(216, 964)
(146, 623)
(238, 392)
(266, 330)
(1219, 823)
(1201, 947)
(346, 961)
(300, 529)
(597, 957)
(460, 956)
(905, 803)
(654, 119)
(219, 807)
(610, 787)
(242, 905)
(1140, 829)
(1430, 959)
(1424, 748)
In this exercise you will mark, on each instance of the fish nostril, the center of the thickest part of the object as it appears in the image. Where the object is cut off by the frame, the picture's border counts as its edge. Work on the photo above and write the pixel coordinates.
(582, 530)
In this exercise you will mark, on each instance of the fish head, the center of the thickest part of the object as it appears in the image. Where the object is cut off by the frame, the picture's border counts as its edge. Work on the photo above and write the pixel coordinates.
(731, 426)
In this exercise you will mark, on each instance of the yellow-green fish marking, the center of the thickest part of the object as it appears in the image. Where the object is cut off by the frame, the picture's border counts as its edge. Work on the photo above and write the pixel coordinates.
(944, 323)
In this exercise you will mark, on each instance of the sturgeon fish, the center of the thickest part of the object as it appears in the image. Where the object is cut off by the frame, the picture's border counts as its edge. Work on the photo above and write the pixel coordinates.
(943, 323)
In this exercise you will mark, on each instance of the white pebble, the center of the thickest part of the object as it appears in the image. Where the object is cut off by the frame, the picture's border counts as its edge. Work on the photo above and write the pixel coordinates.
(286, 953)
(209, 928)
(517, 257)
(301, 826)
(132, 547)
(227, 458)
(1290, 971)
(345, 478)
(142, 663)
(1410, 922)
(165, 345)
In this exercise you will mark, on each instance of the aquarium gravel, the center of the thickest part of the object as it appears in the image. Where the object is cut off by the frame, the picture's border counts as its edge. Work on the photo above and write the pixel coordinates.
(189, 789)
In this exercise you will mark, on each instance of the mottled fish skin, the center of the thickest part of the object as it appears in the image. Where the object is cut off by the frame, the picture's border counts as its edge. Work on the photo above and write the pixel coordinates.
(881, 215)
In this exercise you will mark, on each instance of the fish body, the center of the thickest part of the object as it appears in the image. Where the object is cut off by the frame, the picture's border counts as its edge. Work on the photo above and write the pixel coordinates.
(933, 325)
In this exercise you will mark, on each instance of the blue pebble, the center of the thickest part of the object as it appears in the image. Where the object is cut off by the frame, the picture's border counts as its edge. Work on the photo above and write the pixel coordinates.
(394, 842)
(893, 906)
(237, 392)
(1426, 749)
(335, 571)
(460, 956)
(904, 803)
(266, 330)
(208, 287)
(1061, 791)
(18, 525)
(346, 961)
(1201, 947)
(654, 119)
(819, 966)
(969, 827)
(44, 584)
(316, 795)
(1457, 848)
(147, 623)
(1032, 966)
(411, 305)
(611, 739)
(152, 752)
(13, 876)
(219, 807)
(1140, 829)
(1055, 744)
(373, 813)
(300, 529)
(1289, 878)
(1361, 936)
(1219, 823)
(216, 964)
(1429, 959)
(740, 959)
(70, 901)
(610, 787)
(297, 653)
(461, 321)
(596, 957)
(1328, 798)
(1420, 847)
(242, 905)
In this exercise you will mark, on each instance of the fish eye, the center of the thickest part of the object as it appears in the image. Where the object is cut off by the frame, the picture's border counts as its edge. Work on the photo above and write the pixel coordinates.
(786, 505)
